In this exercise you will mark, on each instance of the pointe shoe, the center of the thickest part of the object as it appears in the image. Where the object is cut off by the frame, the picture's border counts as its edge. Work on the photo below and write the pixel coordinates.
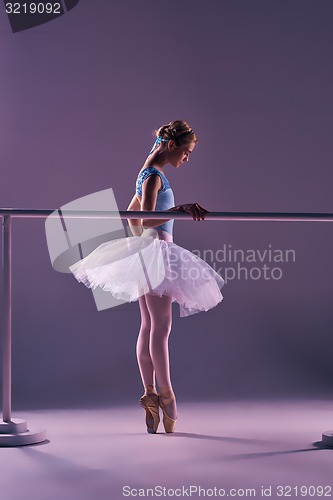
(150, 403)
(168, 422)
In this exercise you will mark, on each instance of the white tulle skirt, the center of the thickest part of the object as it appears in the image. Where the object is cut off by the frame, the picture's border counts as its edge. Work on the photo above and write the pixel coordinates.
(151, 263)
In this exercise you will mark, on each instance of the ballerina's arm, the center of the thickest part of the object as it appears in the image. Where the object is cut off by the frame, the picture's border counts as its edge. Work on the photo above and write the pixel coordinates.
(149, 196)
(148, 203)
(135, 224)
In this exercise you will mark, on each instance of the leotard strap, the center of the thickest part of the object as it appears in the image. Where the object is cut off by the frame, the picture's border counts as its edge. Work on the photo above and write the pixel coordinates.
(147, 172)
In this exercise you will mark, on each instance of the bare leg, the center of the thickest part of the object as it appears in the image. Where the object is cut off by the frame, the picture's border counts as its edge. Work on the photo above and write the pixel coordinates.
(160, 312)
(150, 400)
(142, 349)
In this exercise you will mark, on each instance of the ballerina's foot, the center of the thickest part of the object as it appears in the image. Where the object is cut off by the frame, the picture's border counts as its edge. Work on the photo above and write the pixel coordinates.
(168, 404)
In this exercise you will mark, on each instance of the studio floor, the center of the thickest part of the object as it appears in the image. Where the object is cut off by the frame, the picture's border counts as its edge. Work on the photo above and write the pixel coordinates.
(235, 449)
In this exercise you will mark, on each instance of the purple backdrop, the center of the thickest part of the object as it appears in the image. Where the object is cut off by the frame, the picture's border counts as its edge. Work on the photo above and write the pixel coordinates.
(81, 97)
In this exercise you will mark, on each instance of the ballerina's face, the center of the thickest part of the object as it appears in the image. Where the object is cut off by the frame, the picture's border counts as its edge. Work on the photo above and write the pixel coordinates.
(180, 154)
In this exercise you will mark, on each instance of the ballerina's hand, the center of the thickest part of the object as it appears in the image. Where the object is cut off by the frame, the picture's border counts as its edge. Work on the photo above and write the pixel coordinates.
(198, 212)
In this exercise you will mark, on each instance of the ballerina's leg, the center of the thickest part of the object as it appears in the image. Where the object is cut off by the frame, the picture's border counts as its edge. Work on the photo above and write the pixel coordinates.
(160, 310)
(142, 349)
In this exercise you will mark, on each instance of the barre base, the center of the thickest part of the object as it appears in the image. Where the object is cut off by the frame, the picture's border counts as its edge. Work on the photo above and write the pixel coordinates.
(16, 433)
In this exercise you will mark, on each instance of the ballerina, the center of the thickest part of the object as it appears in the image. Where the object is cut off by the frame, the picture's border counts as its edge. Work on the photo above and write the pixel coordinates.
(151, 268)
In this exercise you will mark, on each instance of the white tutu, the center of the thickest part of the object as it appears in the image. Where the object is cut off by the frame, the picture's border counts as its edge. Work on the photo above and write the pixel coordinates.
(131, 267)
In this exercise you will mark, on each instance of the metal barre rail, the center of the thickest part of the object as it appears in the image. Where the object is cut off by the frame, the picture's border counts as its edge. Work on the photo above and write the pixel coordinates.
(123, 214)
(15, 432)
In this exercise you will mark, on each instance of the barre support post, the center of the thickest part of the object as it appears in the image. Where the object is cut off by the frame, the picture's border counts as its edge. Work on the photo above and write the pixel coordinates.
(6, 314)
(13, 432)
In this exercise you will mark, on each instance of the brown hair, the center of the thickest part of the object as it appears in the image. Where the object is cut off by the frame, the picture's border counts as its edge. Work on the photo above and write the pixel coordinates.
(178, 131)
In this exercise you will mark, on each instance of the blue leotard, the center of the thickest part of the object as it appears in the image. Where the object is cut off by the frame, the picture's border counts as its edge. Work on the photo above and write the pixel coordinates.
(165, 198)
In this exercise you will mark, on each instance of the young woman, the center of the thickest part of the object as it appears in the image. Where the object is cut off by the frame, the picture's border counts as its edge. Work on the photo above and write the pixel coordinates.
(150, 268)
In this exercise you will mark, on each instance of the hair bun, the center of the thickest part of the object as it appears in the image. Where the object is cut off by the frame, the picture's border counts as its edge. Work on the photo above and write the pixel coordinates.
(178, 131)
(162, 130)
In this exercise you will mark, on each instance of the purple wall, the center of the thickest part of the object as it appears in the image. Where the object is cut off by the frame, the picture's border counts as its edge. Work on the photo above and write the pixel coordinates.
(81, 96)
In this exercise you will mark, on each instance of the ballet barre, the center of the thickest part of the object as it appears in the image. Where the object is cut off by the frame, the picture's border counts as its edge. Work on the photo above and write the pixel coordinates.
(15, 432)
(123, 214)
